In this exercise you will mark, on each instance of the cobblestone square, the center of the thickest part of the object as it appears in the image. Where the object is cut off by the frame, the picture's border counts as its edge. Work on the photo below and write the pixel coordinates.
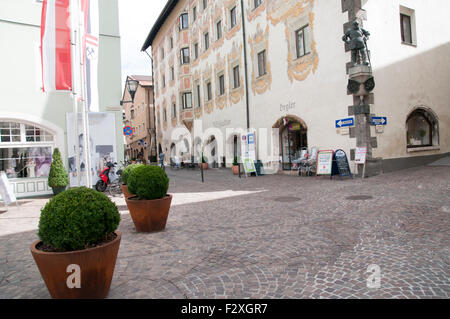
(269, 237)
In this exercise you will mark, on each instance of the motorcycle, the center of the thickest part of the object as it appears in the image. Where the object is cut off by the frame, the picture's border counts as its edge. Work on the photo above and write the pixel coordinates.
(108, 177)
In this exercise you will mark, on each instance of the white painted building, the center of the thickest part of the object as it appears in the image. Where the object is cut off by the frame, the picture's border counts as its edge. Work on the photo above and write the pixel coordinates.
(294, 75)
(33, 123)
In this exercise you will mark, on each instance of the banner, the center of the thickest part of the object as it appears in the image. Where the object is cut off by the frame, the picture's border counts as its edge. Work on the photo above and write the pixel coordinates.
(56, 46)
(91, 50)
(102, 145)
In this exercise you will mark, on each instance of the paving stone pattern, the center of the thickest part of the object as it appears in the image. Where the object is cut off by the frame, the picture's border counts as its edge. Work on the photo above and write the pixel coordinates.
(258, 246)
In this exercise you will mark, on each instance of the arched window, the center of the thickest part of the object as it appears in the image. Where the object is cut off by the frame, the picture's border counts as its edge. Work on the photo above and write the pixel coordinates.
(25, 150)
(422, 129)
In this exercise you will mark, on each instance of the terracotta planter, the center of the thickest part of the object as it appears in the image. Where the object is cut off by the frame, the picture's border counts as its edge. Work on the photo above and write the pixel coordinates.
(204, 166)
(235, 169)
(149, 215)
(96, 270)
(125, 192)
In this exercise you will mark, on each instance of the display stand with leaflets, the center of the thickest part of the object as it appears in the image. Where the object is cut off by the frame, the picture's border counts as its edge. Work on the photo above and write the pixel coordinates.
(361, 158)
(248, 151)
(324, 163)
(6, 191)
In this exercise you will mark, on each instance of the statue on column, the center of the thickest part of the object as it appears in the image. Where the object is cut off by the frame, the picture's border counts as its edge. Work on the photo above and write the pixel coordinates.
(357, 38)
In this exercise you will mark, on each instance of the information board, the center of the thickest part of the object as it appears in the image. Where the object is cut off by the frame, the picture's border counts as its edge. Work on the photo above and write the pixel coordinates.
(249, 165)
(324, 162)
(361, 155)
(6, 190)
(341, 165)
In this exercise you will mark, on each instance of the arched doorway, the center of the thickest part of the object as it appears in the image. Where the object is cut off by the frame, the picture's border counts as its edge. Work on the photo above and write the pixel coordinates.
(293, 139)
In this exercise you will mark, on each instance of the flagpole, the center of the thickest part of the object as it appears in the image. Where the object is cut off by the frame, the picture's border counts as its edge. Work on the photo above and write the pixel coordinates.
(74, 22)
(84, 111)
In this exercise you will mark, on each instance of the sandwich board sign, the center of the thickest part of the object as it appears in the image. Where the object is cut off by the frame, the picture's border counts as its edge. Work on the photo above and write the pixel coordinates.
(6, 190)
(249, 166)
(324, 162)
(341, 165)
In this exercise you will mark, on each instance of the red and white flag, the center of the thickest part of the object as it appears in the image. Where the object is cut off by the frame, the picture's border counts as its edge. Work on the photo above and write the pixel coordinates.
(56, 46)
(91, 51)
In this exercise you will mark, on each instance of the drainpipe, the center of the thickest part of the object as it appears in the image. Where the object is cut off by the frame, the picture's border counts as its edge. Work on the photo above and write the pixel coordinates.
(245, 64)
(154, 107)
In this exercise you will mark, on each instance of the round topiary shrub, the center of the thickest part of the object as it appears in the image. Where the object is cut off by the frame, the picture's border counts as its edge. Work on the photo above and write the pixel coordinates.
(58, 176)
(148, 182)
(77, 219)
(126, 172)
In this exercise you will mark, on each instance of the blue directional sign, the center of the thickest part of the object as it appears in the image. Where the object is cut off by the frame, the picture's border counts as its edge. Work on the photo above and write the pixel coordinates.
(345, 122)
(379, 120)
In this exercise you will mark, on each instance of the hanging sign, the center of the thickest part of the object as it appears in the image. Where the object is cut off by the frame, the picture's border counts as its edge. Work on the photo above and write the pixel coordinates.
(361, 155)
(324, 162)
(6, 190)
(341, 165)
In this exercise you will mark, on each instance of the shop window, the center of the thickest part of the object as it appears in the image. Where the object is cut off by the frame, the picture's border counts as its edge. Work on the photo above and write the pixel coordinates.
(422, 129)
(25, 150)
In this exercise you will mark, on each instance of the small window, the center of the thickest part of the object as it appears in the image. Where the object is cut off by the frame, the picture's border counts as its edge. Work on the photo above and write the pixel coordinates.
(221, 85)
(198, 96)
(236, 79)
(187, 100)
(132, 114)
(185, 56)
(205, 4)
(262, 63)
(196, 51)
(184, 22)
(174, 110)
(302, 41)
(407, 26)
(162, 54)
(422, 129)
(208, 92)
(206, 39)
(219, 29)
(194, 13)
(163, 81)
(165, 115)
(257, 3)
(172, 73)
(233, 18)
(171, 42)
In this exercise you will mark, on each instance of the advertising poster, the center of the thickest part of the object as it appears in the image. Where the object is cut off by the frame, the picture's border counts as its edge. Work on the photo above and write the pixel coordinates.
(102, 144)
(361, 155)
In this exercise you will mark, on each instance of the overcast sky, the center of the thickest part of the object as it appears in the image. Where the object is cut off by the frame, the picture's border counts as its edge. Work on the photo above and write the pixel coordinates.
(136, 19)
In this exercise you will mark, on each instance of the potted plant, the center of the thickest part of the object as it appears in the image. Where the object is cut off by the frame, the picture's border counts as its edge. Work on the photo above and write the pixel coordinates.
(57, 178)
(204, 162)
(235, 166)
(150, 206)
(125, 174)
(78, 245)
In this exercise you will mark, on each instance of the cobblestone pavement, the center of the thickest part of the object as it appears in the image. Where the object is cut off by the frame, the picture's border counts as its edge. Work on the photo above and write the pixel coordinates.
(271, 237)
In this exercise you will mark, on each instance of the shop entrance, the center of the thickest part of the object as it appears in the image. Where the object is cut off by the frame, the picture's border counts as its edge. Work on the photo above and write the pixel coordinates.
(294, 139)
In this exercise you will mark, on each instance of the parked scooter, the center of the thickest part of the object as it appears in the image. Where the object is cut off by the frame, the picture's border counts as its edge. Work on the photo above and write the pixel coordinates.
(108, 177)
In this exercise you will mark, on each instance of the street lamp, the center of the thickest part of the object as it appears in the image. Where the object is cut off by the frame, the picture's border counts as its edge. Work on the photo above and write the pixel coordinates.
(131, 86)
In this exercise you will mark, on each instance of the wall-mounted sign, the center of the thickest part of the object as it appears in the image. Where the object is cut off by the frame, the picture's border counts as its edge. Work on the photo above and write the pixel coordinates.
(324, 162)
(128, 131)
(287, 107)
(379, 120)
(361, 155)
(341, 165)
(345, 122)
